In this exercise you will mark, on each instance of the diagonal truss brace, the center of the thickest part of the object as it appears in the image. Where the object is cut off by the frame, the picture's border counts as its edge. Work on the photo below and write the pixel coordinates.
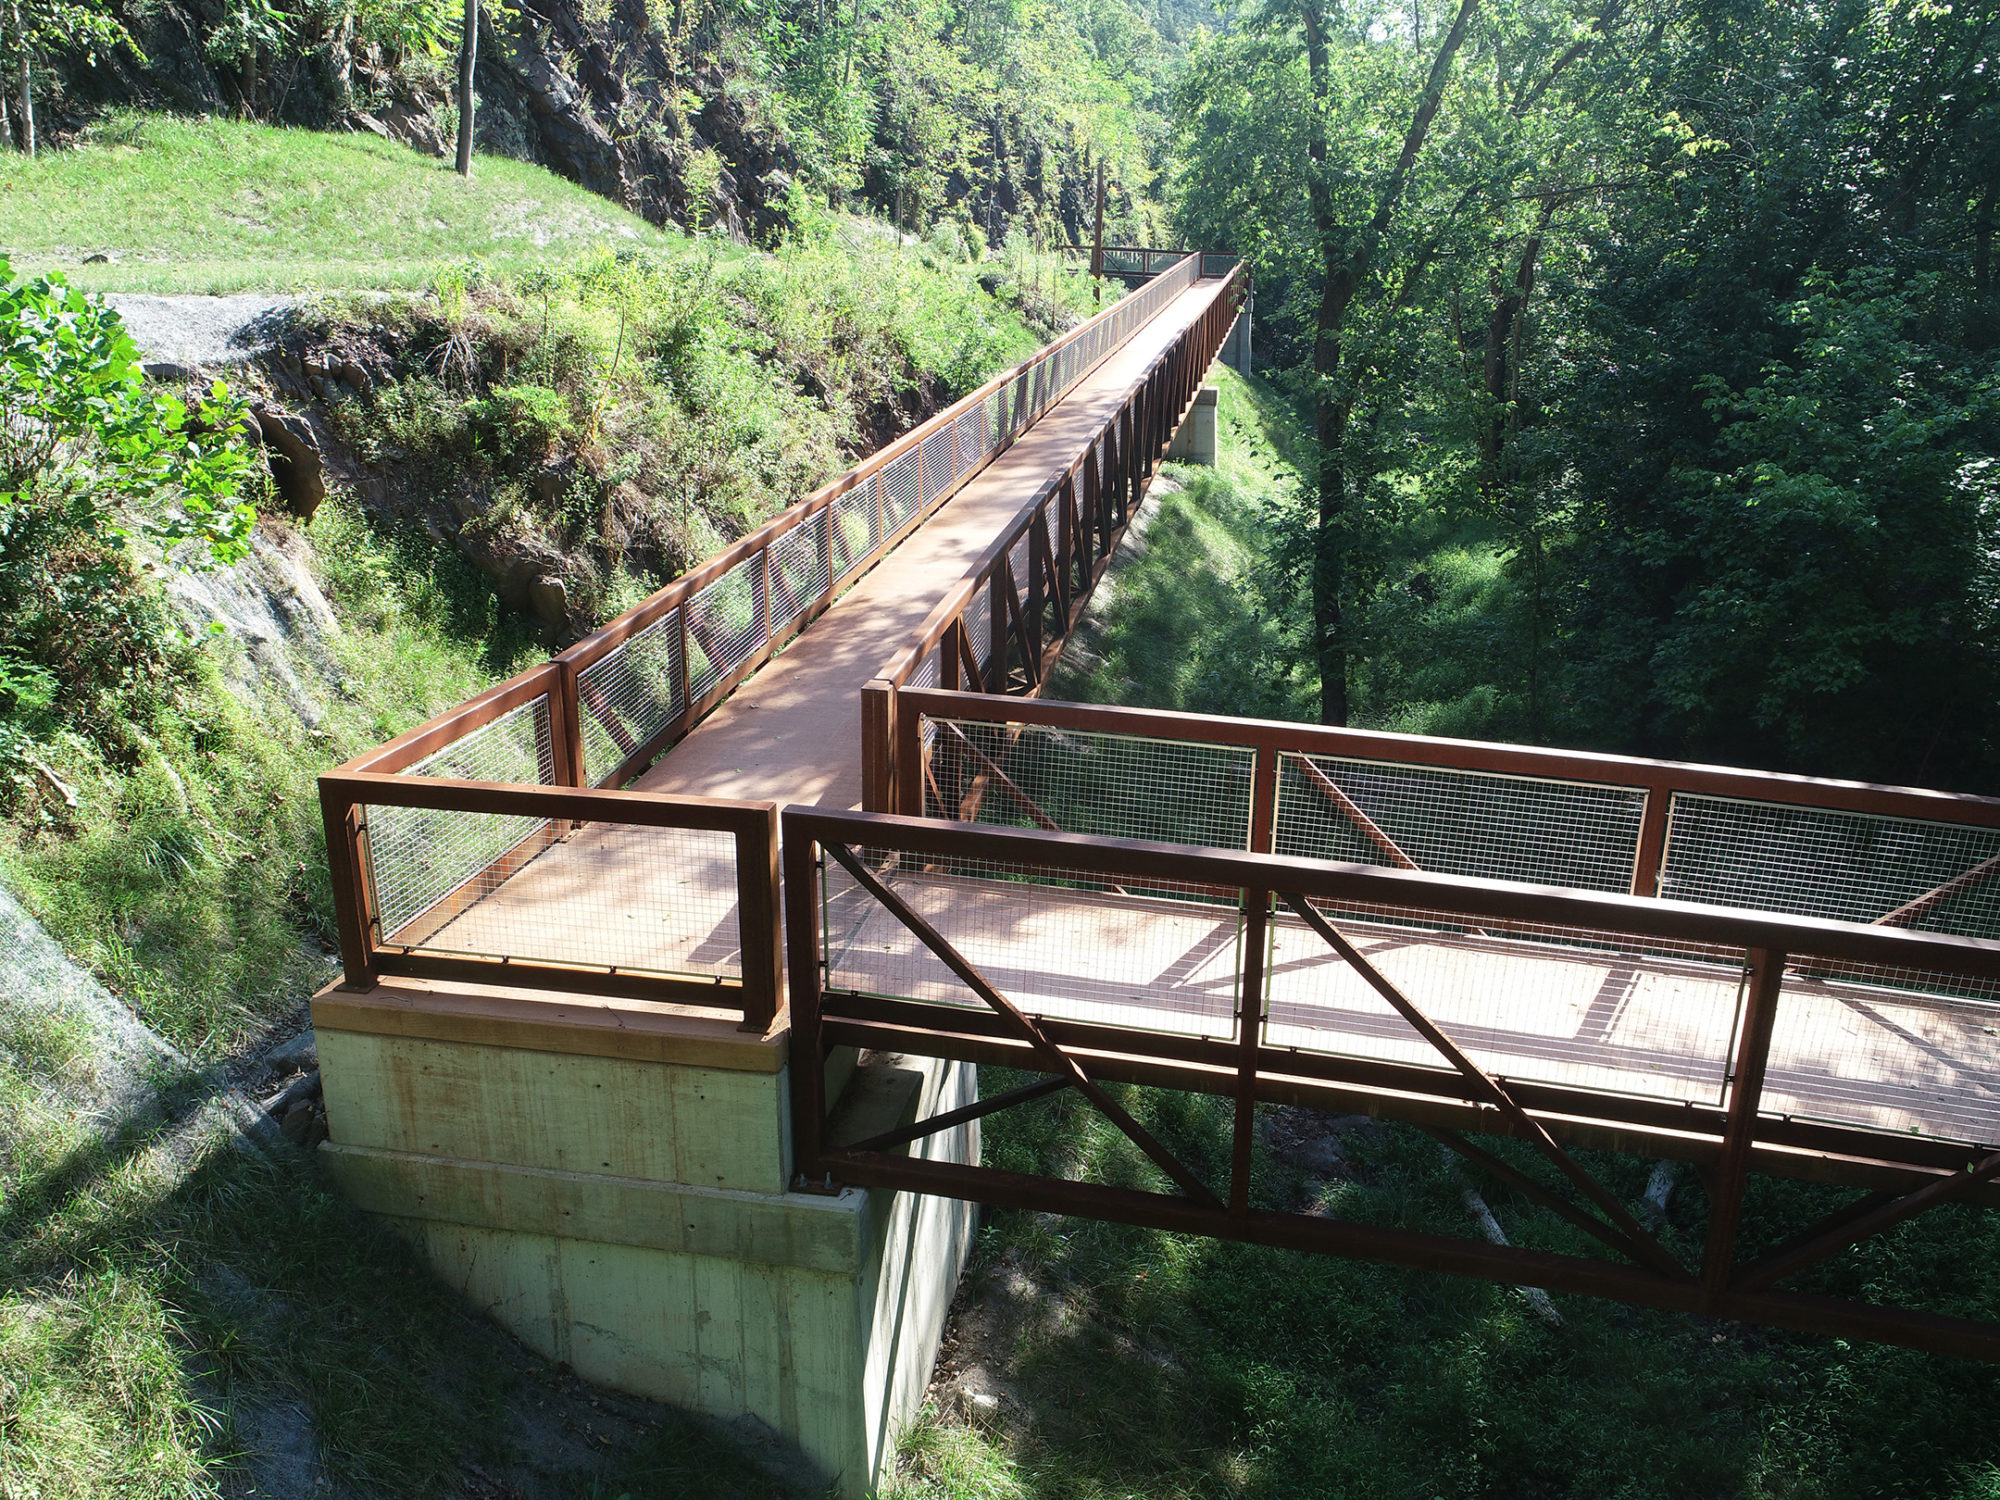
(1528, 1188)
(1060, 1061)
(978, 1109)
(1858, 1222)
(1649, 1250)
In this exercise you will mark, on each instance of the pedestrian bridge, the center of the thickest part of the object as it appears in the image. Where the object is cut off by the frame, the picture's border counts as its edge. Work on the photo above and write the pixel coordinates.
(680, 946)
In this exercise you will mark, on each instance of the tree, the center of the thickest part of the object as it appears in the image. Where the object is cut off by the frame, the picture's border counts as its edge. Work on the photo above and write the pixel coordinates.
(1349, 252)
(468, 57)
(33, 29)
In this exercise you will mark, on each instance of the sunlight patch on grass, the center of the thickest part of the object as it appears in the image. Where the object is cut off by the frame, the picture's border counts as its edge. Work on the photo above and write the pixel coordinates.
(214, 206)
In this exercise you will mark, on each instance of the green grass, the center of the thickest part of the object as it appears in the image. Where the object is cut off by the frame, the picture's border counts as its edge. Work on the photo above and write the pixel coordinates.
(193, 878)
(1193, 619)
(1183, 1367)
(213, 205)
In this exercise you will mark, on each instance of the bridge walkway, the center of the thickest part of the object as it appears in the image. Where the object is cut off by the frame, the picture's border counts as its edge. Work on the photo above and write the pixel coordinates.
(792, 732)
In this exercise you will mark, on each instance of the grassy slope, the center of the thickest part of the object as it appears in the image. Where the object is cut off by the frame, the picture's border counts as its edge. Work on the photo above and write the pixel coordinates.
(1184, 1367)
(158, 1283)
(216, 205)
(189, 873)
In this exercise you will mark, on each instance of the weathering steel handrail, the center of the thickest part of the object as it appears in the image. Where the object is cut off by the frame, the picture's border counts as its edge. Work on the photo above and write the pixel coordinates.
(753, 826)
(1660, 780)
(1072, 527)
(1733, 1137)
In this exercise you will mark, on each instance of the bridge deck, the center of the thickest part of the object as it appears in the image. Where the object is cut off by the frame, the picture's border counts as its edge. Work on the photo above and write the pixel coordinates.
(792, 733)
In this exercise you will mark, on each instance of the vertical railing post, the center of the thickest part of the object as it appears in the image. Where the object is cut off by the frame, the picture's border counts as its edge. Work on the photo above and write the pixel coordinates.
(908, 726)
(1746, 1089)
(757, 928)
(1065, 547)
(1652, 849)
(996, 624)
(805, 1060)
(344, 863)
(951, 648)
(878, 746)
(566, 726)
(1263, 799)
(1039, 569)
(1250, 1002)
(1249, 1036)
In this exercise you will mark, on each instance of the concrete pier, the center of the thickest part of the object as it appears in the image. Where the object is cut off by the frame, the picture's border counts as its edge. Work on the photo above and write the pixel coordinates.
(610, 1181)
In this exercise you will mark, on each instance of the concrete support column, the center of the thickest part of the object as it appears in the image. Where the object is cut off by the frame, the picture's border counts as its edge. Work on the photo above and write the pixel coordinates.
(1195, 442)
(1236, 343)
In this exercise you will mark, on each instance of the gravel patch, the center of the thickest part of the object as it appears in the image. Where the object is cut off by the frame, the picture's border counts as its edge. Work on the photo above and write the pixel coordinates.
(203, 332)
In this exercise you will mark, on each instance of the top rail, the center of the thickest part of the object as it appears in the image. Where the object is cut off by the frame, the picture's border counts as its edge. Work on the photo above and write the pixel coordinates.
(1856, 851)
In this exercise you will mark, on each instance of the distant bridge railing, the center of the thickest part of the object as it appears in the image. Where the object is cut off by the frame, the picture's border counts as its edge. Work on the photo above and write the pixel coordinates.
(1135, 263)
(1000, 629)
(430, 836)
(1843, 851)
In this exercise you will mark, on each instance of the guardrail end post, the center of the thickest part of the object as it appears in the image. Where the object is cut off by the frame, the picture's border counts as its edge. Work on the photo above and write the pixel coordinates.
(758, 929)
(878, 745)
(350, 892)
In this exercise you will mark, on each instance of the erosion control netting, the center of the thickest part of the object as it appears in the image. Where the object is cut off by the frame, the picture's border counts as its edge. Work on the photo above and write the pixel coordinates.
(630, 694)
(1054, 942)
(421, 860)
(1851, 867)
(637, 899)
(1072, 781)
(1910, 1050)
(1546, 832)
(1578, 1007)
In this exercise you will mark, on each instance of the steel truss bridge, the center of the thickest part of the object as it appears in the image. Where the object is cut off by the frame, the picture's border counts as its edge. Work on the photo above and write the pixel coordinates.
(812, 786)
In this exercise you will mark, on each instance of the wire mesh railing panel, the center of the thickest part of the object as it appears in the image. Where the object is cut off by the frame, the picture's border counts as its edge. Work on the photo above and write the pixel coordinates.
(899, 489)
(1577, 834)
(1017, 561)
(857, 526)
(419, 858)
(940, 465)
(971, 437)
(1109, 785)
(638, 899)
(630, 694)
(1574, 1007)
(1055, 944)
(978, 621)
(727, 621)
(799, 569)
(1896, 1049)
(1851, 867)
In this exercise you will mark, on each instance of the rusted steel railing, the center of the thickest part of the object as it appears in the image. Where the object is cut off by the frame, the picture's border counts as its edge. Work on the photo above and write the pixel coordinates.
(1001, 627)
(643, 680)
(1894, 856)
(1276, 980)
(439, 820)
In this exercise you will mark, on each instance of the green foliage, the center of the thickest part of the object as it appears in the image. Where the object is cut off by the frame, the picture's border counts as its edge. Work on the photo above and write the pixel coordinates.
(1665, 413)
(92, 459)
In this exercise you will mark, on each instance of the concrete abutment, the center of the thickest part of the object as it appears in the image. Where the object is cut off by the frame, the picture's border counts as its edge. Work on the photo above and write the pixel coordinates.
(610, 1181)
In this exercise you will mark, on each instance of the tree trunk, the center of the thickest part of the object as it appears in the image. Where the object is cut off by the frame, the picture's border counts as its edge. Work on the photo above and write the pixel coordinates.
(1346, 259)
(1502, 370)
(468, 55)
(25, 81)
(6, 120)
